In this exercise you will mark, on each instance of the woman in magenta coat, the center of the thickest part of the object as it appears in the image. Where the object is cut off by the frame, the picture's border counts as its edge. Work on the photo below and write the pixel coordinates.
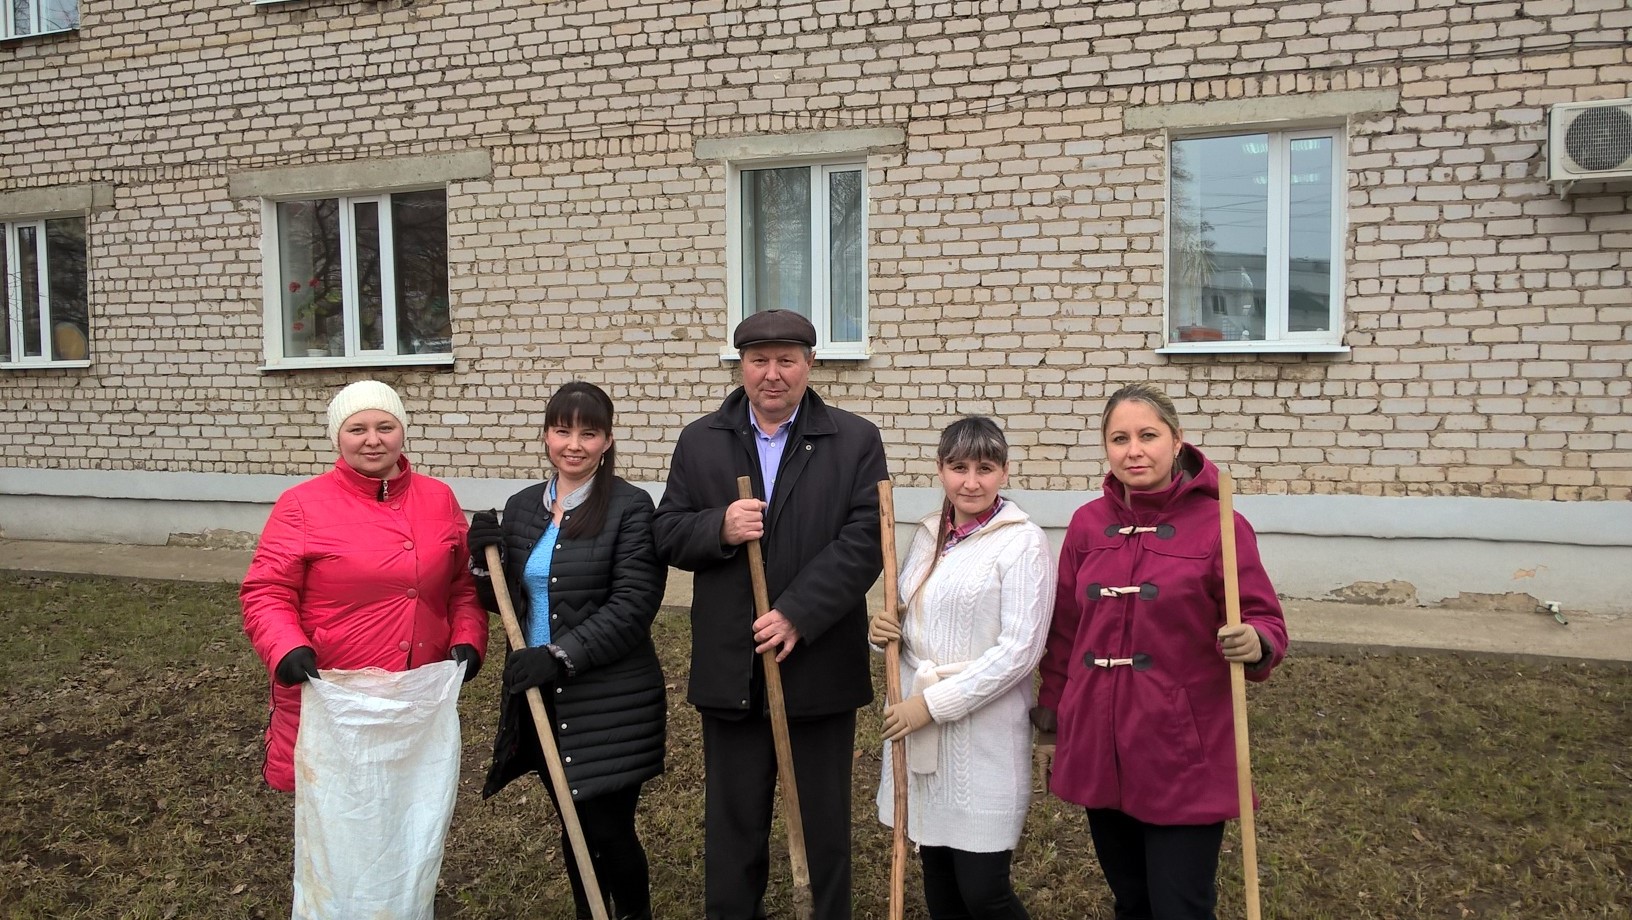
(1135, 674)
(361, 567)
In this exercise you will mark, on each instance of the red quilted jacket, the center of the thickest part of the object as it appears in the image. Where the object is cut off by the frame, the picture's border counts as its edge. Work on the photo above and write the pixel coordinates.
(366, 582)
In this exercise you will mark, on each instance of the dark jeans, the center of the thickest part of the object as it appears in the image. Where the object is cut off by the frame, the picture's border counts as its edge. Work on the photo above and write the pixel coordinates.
(1158, 871)
(739, 763)
(959, 885)
(608, 822)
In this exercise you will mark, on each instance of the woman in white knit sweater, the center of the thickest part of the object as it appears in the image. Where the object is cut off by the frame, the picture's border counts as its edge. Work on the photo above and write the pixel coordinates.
(977, 588)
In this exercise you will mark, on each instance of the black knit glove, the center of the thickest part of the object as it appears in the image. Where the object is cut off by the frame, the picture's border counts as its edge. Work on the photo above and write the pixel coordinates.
(297, 667)
(466, 654)
(529, 667)
(484, 532)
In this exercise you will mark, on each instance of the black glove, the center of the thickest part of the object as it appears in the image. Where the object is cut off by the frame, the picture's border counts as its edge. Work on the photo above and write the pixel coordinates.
(467, 654)
(529, 667)
(484, 532)
(1044, 720)
(297, 667)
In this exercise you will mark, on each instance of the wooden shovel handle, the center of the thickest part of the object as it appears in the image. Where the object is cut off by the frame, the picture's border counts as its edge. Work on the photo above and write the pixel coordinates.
(892, 695)
(546, 741)
(1238, 695)
(803, 904)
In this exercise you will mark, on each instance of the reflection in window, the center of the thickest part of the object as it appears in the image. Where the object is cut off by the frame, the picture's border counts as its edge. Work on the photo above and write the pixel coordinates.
(802, 246)
(37, 17)
(363, 276)
(44, 291)
(1252, 238)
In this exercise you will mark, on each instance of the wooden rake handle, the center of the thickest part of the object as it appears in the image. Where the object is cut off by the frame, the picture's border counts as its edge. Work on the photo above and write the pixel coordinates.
(546, 740)
(803, 903)
(1238, 695)
(892, 695)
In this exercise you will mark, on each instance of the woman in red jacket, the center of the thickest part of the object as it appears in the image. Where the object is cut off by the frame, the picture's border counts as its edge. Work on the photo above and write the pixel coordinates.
(1135, 674)
(361, 567)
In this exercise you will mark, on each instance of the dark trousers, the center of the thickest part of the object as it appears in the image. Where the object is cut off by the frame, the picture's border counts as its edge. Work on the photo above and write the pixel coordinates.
(959, 885)
(1158, 871)
(739, 760)
(608, 823)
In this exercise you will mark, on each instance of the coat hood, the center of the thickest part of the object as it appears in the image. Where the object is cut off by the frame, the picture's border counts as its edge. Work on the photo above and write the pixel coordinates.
(1197, 475)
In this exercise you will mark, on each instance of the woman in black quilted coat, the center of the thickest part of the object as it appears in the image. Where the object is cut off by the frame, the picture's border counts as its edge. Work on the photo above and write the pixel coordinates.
(580, 562)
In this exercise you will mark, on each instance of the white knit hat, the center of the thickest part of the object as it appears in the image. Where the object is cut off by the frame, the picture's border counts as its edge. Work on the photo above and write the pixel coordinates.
(356, 397)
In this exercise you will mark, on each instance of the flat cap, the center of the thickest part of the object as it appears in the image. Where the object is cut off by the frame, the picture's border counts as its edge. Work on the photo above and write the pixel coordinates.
(774, 326)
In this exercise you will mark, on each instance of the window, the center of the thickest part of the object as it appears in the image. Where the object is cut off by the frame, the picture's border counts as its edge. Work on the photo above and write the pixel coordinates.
(1254, 230)
(797, 238)
(43, 298)
(36, 17)
(359, 279)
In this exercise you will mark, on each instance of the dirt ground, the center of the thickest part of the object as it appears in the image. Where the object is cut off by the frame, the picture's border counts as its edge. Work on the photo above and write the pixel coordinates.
(1396, 787)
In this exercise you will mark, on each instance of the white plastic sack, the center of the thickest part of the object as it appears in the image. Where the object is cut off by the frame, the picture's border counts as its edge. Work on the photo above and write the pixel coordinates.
(376, 770)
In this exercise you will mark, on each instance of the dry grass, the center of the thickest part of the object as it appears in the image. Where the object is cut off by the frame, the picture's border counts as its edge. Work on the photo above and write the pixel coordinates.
(1393, 787)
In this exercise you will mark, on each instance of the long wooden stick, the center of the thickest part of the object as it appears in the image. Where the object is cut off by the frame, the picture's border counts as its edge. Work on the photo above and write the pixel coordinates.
(546, 740)
(1238, 695)
(892, 695)
(803, 904)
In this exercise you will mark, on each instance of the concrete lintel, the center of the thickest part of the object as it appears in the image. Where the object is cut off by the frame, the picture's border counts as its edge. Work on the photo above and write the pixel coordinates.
(818, 143)
(1223, 113)
(88, 198)
(361, 175)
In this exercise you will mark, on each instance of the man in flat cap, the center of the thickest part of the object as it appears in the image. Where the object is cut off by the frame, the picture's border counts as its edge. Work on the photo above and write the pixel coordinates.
(815, 470)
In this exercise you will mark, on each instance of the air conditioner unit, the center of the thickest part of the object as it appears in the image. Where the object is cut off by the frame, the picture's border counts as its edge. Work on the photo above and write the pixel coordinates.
(1590, 141)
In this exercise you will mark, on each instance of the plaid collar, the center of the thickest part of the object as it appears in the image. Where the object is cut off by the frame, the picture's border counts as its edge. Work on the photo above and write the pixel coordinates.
(961, 533)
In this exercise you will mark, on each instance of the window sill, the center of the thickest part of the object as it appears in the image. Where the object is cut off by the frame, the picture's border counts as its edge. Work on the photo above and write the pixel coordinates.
(44, 365)
(8, 39)
(849, 352)
(309, 364)
(1252, 348)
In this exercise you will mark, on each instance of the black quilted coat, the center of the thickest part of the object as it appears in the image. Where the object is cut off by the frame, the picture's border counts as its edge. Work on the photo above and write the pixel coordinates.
(609, 717)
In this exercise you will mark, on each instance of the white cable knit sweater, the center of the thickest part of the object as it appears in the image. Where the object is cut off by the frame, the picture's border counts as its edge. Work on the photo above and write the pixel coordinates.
(986, 607)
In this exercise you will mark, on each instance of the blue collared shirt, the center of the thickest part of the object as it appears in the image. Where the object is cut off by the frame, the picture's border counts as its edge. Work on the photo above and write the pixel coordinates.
(770, 447)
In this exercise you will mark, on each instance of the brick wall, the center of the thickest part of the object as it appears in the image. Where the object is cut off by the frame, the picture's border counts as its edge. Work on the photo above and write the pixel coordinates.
(1016, 238)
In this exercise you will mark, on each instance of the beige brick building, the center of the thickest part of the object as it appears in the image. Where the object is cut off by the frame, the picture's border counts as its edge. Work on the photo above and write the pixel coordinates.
(1326, 227)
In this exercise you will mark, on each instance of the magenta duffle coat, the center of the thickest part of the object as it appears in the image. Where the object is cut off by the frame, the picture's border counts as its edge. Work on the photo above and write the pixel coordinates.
(367, 581)
(1154, 739)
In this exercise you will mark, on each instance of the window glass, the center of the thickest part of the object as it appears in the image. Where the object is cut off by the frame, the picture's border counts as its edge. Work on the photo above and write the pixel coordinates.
(66, 282)
(776, 240)
(28, 271)
(309, 269)
(1252, 229)
(365, 228)
(419, 226)
(43, 291)
(59, 15)
(5, 299)
(372, 284)
(1309, 236)
(845, 268)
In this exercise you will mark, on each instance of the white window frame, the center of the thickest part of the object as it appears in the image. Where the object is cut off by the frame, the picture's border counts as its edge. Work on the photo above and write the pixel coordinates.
(13, 281)
(1277, 338)
(8, 21)
(273, 285)
(821, 305)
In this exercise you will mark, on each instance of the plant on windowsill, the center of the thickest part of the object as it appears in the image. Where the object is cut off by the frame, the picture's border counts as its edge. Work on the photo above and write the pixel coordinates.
(316, 317)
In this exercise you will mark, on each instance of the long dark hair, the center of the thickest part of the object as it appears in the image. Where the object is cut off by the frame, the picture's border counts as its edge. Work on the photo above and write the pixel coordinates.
(586, 405)
(971, 438)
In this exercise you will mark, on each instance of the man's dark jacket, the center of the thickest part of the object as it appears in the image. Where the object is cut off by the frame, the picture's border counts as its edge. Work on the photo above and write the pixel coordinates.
(608, 718)
(821, 548)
